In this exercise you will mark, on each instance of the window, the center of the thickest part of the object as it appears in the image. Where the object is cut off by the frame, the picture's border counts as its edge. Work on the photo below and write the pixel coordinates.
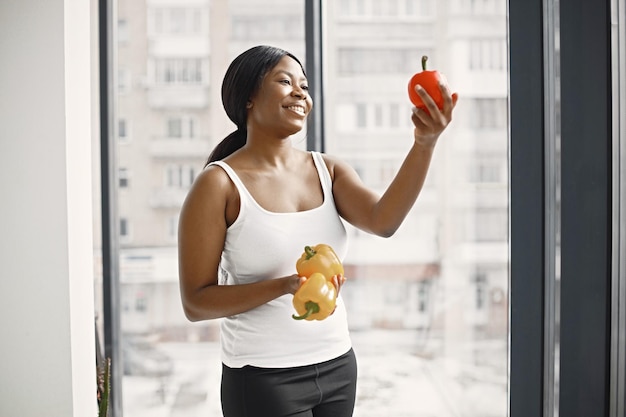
(172, 71)
(485, 169)
(180, 127)
(125, 234)
(172, 227)
(268, 27)
(487, 55)
(378, 61)
(174, 128)
(180, 176)
(435, 303)
(176, 21)
(123, 177)
(489, 113)
(403, 299)
(525, 34)
(122, 30)
(122, 130)
(124, 81)
(375, 9)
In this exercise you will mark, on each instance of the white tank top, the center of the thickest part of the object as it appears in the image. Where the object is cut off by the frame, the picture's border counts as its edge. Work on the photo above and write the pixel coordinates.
(264, 245)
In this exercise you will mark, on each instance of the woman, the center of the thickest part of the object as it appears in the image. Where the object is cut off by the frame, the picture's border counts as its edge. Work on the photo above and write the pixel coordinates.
(246, 221)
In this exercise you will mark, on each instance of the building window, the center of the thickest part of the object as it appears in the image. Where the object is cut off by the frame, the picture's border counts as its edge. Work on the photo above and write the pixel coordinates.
(141, 302)
(122, 31)
(422, 296)
(487, 170)
(122, 130)
(180, 127)
(124, 80)
(387, 9)
(361, 116)
(179, 71)
(124, 229)
(174, 128)
(379, 60)
(172, 227)
(489, 113)
(487, 55)
(480, 300)
(180, 176)
(489, 225)
(123, 177)
(270, 27)
(176, 21)
(378, 115)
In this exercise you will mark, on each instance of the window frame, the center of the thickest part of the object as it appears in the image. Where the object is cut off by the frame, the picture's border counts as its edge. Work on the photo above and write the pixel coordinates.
(532, 228)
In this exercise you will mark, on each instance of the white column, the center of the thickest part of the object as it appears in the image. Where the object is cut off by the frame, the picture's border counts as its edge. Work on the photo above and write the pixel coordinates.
(47, 350)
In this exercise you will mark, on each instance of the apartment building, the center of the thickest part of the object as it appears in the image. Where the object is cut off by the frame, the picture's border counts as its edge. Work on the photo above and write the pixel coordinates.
(170, 60)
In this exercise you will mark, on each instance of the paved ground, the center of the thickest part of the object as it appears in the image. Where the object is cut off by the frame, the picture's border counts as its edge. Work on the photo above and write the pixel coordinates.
(393, 381)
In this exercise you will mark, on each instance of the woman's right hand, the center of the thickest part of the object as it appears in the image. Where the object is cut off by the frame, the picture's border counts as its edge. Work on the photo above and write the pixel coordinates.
(294, 282)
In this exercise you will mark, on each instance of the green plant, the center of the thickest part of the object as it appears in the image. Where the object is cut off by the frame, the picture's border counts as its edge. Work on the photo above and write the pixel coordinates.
(104, 387)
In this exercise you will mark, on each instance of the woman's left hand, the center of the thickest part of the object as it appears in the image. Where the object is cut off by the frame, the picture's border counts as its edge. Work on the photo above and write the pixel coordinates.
(338, 280)
(430, 124)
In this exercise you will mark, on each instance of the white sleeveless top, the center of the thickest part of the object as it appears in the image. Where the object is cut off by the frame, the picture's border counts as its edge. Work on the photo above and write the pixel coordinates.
(264, 245)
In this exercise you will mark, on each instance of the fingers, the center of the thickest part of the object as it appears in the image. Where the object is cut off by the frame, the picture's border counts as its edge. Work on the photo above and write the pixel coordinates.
(295, 281)
(431, 115)
(338, 280)
(426, 98)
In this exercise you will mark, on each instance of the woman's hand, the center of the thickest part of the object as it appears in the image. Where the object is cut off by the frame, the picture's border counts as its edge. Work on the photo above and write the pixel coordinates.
(430, 124)
(338, 280)
(294, 282)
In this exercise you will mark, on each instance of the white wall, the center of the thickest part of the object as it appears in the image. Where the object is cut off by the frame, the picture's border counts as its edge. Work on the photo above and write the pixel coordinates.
(46, 258)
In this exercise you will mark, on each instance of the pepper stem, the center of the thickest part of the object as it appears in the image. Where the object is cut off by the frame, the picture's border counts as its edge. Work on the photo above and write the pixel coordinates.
(424, 59)
(310, 252)
(311, 308)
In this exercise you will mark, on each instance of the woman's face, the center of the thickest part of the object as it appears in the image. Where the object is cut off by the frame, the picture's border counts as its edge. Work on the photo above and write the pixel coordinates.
(282, 103)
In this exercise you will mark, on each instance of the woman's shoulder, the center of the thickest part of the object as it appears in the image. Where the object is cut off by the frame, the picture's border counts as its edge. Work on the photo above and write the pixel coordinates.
(334, 164)
(212, 182)
(213, 175)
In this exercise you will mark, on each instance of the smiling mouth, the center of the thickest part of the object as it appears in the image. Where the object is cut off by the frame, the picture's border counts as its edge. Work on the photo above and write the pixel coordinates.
(297, 109)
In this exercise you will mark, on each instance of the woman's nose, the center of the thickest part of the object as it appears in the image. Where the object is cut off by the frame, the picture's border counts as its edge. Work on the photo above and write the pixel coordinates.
(299, 92)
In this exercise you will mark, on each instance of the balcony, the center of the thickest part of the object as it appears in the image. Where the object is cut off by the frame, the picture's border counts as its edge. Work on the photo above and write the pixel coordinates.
(168, 148)
(165, 197)
(177, 96)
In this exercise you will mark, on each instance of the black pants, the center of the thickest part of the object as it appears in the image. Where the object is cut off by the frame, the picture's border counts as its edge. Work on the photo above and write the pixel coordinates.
(327, 389)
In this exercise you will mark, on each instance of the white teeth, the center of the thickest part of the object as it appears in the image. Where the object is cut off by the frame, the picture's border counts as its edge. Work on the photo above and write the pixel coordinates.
(297, 109)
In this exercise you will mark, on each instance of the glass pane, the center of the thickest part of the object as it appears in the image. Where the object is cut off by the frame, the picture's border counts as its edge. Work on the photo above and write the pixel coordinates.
(428, 308)
(171, 58)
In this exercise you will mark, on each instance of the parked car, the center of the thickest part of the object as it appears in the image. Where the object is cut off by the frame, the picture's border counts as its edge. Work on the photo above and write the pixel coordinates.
(141, 357)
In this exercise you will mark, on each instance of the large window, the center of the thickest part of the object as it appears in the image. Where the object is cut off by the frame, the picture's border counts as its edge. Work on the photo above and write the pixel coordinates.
(430, 308)
(427, 308)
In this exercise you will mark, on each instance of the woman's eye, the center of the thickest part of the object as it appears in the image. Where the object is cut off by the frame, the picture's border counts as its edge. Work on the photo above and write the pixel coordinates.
(305, 87)
(288, 82)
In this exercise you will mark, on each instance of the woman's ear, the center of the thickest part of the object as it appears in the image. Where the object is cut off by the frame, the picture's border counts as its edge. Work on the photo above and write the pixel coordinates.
(249, 105)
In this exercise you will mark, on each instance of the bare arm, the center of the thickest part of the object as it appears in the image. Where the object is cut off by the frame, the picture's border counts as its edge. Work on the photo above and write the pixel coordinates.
(201, 235)
(382, 215)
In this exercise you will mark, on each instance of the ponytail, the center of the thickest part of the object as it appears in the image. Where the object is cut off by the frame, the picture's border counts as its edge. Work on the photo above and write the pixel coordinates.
(228, 145)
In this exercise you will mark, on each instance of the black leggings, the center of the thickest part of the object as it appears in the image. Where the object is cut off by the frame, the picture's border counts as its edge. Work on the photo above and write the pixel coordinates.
(326, 389)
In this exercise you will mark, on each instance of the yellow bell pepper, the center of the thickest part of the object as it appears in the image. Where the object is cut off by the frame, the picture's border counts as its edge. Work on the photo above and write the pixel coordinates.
(321, 259)
(315, 299)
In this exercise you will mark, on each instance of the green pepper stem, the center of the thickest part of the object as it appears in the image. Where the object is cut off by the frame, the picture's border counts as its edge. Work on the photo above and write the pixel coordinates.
(310, 252)
(424, 59)
(311, 308)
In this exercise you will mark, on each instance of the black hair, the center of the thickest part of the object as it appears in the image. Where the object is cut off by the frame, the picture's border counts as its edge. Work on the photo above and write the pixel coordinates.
(242, 80)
